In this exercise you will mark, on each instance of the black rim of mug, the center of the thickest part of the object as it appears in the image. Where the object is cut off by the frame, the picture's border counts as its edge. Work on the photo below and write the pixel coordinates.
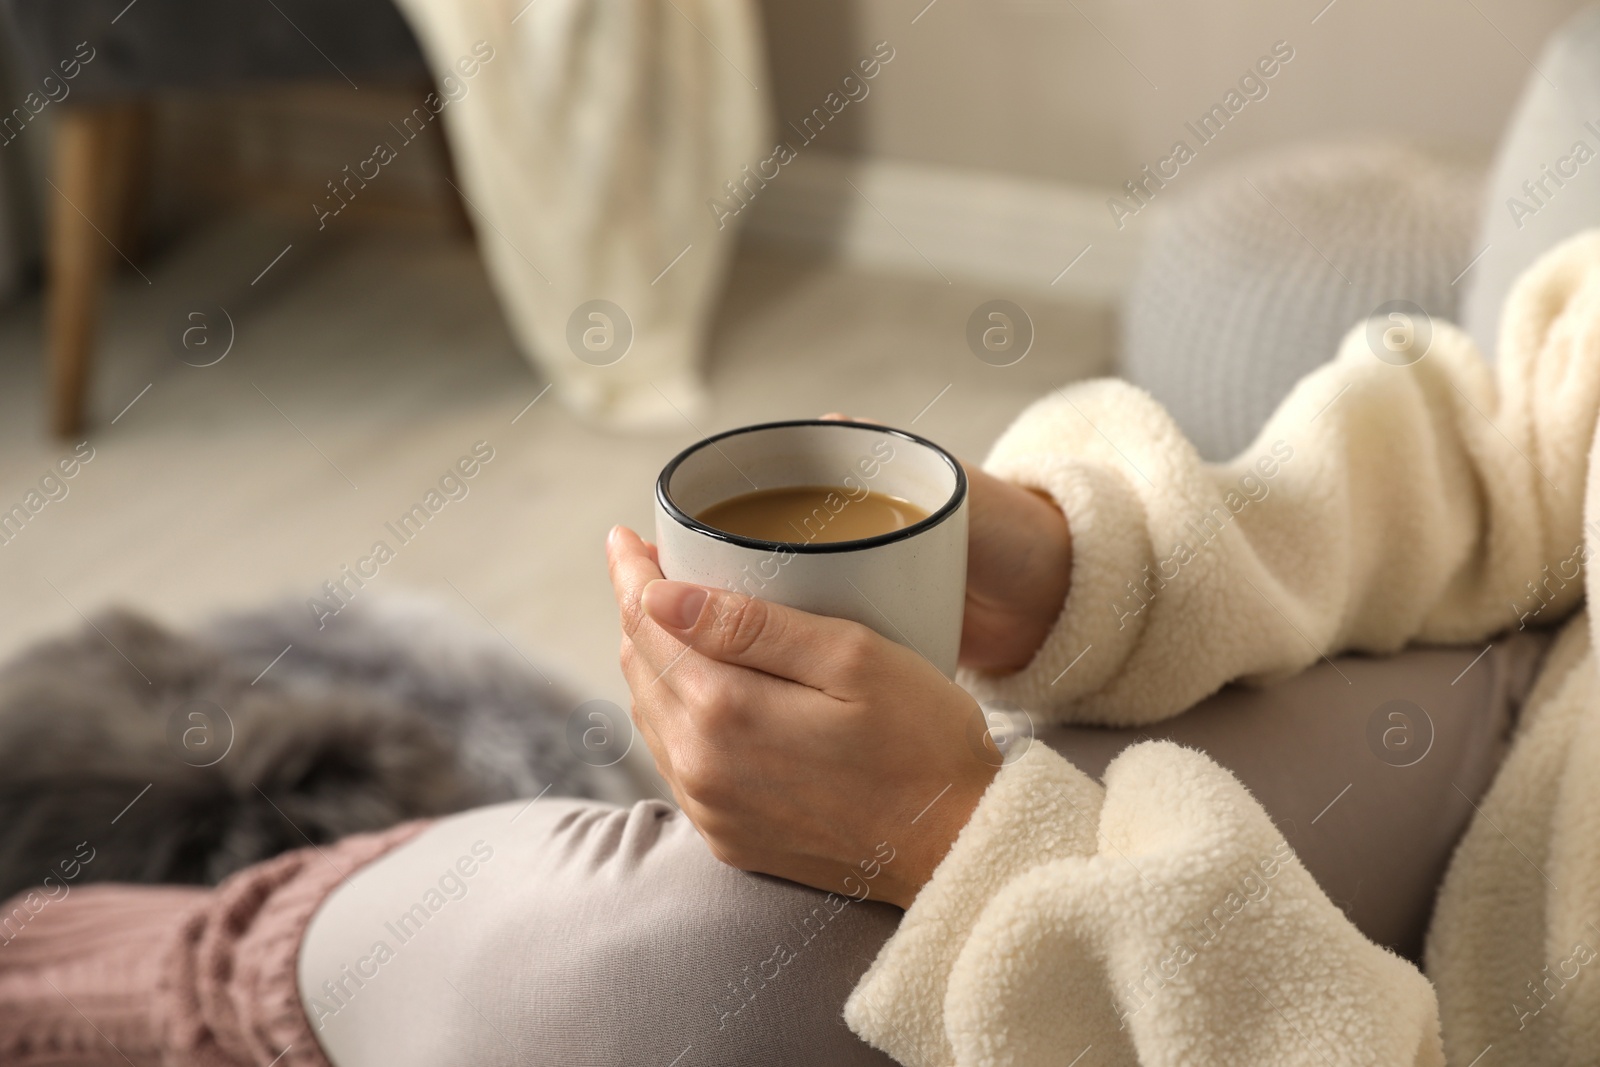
(920, 526)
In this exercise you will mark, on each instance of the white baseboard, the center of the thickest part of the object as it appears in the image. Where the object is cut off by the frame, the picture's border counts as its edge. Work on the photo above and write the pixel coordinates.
(1012, 234)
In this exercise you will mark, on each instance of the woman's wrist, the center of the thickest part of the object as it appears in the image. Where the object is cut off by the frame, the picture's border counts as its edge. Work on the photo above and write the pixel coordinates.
(1019, 571)
(937, 829)
(1049, 570)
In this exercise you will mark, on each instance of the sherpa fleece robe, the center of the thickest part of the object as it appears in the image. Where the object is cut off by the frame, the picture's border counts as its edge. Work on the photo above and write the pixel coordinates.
(1161, 919)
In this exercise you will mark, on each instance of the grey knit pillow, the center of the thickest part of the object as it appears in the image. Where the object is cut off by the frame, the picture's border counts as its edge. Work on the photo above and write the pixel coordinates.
(1252, 278)
(1543, 186)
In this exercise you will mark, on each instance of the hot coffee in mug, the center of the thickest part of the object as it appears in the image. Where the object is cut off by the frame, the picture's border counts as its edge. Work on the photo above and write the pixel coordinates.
(859, 522)
(806, 513)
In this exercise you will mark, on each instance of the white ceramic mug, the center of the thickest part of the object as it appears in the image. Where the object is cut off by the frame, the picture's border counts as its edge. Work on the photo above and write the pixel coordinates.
(909, 585)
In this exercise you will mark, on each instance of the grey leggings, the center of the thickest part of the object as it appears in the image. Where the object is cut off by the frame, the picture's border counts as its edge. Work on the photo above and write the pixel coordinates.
(573, 933)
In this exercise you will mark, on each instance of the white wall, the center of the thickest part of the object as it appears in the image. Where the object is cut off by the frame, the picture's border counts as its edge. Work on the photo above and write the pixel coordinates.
(1031, 87)
(994, 137)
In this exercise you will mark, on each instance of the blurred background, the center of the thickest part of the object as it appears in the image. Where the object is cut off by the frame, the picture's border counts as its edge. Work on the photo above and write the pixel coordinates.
(358, 357)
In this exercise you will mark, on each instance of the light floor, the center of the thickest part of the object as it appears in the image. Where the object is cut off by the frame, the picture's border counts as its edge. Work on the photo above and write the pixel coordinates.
(386, 351)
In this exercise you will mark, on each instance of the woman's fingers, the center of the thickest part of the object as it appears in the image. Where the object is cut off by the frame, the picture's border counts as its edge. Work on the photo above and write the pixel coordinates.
(651, 705)
(632, 567)
(675, 734)
(732, 628)
(660, 665)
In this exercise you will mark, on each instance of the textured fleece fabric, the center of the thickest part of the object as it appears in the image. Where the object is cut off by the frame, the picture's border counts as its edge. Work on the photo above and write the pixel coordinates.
(1161, 918)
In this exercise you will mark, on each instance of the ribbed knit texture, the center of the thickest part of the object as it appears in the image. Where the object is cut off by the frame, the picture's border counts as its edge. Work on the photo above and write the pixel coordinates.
(1252, 278)
(97, 951)
(172, 976)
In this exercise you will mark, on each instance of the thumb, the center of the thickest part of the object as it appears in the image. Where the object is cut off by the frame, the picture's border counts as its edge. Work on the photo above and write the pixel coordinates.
(743, 630)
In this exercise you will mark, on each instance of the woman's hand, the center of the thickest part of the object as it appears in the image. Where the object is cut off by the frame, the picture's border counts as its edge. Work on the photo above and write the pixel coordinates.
(1019, 568)
(800, 746)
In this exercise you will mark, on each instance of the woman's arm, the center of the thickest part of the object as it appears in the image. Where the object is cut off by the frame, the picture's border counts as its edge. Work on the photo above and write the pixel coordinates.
(1382, 504)
(1153, 918)
(1161, 919)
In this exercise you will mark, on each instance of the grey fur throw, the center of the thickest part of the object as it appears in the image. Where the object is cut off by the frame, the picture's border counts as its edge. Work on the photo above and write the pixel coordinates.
(181, 757)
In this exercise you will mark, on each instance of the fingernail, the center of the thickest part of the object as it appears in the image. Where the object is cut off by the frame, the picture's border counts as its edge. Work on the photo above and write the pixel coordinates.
(674, 604)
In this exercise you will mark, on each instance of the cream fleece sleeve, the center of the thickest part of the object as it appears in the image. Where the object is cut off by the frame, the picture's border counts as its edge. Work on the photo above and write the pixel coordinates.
(1381, 504)
(1160, 921)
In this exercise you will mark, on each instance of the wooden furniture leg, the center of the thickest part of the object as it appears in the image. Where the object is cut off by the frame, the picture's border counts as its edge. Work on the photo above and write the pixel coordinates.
(457, 217)
(89, 166)
(130, 156)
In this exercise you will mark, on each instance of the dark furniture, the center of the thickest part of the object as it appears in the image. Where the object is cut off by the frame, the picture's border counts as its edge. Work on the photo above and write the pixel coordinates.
(141, 49)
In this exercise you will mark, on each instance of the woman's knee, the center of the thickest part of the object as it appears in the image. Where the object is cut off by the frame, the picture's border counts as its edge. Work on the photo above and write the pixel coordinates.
(595, 934)
(661, 948)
